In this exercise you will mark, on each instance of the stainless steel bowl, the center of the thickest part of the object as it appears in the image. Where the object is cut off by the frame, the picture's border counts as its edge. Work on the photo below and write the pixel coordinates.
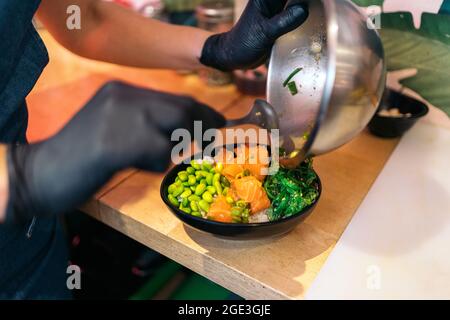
(340, 85)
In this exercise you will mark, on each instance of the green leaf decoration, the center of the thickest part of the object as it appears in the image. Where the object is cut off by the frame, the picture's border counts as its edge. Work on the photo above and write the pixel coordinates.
(427, 49)
(366, 3)
(432, 59)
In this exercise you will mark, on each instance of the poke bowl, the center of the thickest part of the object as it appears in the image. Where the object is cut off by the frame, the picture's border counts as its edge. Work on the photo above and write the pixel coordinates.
(227, 201)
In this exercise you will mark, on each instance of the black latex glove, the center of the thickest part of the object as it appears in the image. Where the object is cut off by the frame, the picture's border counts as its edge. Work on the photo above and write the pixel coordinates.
(121, 126)
(248, 44)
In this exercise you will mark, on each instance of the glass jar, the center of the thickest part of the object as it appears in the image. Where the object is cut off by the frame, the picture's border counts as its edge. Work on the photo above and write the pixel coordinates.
(215, 16)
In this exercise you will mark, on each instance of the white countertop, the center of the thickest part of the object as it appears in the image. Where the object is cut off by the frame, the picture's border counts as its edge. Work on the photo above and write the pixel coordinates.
(397, 245)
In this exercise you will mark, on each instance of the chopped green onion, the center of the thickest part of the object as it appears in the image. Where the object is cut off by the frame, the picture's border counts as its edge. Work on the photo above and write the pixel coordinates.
(292, 88)
(289, 78)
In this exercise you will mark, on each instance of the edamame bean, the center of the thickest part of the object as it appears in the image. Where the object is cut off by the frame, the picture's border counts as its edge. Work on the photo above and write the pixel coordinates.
(211, 189)
(192, 188)
(225, 191)
(194, 198)
(196, 214)
(183, 175)
(185, 184)
(192, 180)
(194, 206)
(203, 173)
(173, 200)
(216, 178)
(190, 170)
(241, 203)
(203, 205)
(172, 188)
(179, 190)
(236, 212)
(203, 181)
(195, 165)
(206, 166)
(200, 189)
(218, 187)
(207, 197)
(219, 167)
(184, 209)
(209, 179)
(186, 193)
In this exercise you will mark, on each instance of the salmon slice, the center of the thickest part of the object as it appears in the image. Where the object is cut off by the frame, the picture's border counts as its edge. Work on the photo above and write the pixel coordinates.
(250, 190)
(230, 171)
(257, 162)
(220, 210)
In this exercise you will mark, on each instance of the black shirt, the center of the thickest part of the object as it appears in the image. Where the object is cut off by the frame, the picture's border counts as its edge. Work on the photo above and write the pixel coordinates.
(33, 256)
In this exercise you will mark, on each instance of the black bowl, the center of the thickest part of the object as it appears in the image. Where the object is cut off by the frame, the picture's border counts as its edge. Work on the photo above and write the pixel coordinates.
(389, 127)
(237, 231)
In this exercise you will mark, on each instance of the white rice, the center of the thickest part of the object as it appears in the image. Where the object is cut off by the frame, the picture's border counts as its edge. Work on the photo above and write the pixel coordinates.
(259, 217)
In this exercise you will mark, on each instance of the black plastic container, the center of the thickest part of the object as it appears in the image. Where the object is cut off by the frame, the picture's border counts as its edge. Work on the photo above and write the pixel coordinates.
(390, 127)
(237, 231)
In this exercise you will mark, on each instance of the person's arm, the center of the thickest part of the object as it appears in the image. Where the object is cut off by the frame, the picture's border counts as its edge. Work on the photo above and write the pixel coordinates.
(3, 183)
(113, 34)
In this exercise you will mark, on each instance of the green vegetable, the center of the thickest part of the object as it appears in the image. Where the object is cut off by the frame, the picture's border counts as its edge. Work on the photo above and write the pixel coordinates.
(172, 188)
(203, 173)
(292, 75)
(196, 214)
(225, 191)
(206, 166)
(173, 200)
(183, 175)
(186, 193)
(194, 198)
(219, 167)
(195, 165)
(209, 179)
(224, 181)
(203, 205)
(190, 170)
(200, 189)
(179, 190)
(187, 210)
(292, 88)
(211, 189)
(218, 187)
(291, 190)
(193, 205)
(192, 180)
(207, 197)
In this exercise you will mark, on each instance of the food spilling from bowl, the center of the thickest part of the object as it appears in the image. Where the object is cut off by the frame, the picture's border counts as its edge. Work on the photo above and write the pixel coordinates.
(234, 187)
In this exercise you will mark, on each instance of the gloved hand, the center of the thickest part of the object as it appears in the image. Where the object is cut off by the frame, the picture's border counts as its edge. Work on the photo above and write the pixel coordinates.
(121, 126)
(248, 43)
